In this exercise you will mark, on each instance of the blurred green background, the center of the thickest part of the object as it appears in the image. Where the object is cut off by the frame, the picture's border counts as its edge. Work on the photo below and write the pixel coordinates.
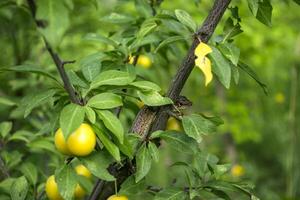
(261, 132)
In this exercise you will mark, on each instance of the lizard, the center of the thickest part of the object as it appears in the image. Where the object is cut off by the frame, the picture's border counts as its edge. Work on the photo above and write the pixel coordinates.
(147, 115)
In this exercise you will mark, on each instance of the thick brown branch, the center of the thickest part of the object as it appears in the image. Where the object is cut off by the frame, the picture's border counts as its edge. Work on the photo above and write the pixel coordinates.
(179, 80)
(58, 62)
(203, 34)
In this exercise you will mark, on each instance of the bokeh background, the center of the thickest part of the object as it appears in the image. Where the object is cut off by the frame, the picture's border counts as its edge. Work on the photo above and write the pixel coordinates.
(260, 135)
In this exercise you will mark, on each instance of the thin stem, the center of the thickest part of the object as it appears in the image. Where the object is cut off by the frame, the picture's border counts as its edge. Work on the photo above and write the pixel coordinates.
(59, 63)
(292, 158)
(116, 187)
(97, 190)
(3, 168)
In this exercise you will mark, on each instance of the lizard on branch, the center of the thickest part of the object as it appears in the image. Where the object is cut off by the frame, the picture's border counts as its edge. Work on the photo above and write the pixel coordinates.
(147, 115)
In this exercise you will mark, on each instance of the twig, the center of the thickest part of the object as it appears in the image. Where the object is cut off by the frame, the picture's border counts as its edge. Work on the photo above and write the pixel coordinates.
(97, 189)
(57, 60)
(3, 168)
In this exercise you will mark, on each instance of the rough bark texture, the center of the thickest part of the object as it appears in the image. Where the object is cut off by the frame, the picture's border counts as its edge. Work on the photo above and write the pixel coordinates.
(179, 80)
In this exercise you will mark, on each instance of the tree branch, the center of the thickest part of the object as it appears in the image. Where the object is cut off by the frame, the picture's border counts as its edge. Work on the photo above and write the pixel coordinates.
(59, 63)
(97, 189)
(179, 80)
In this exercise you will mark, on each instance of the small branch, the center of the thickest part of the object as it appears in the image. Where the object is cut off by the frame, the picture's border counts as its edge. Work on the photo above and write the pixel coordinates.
(68, 62)
(97, 190)
(203, 34)
(3, 168)
(60, 67)
(57, 60)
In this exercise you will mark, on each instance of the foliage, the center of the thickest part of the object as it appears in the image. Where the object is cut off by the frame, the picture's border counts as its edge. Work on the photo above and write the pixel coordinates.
(103, 37)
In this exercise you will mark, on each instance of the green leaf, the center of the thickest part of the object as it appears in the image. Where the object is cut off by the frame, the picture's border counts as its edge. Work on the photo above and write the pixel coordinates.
(253, 75)
(231, 29)
(147, 27)
(221, 67)
(112, 123)
(99, 38)
(180, 142)
(66, 181)
(91, 115)
(186, 19)
(235, 73)
(297, 2)
(253, 5)
(71, 117)
(55, 15)
(201, 162)
(19, 189)
(126, 148)
(90, 70)
(105, 101)
(143, 7)
(111, 77)
(6, 101)
(31, 69)
(5, 186)
(221, 194)
(130, 69)
(145, 86)
(97, 163)
(153, 98)
(76, 80)
(108, 144)
(21, 135)
(166, 15)
(149, 39)
(143, 163)
(5, 128)
(156, 134)
(168, 41)
(130, 187)
(221, 170)
(30, 171)
(264, 12)
(231, 52)
(115, 18)
(69, 4)
(38, 99)
(195, 126)
(42, 144)
(153, 151)
(93, 58)
(85, 183)
(171, 194)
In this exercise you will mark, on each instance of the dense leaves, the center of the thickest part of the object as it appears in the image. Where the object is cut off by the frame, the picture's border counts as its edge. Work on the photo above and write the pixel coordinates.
(126, 54)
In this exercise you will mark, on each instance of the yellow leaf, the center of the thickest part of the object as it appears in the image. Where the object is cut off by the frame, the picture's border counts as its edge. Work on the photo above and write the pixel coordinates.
(205, 65)
(202, 50)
